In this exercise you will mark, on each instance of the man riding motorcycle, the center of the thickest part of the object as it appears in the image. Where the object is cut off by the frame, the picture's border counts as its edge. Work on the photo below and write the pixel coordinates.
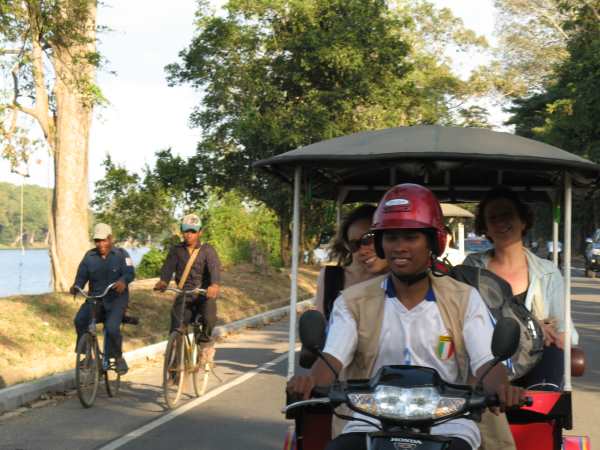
(411, 317)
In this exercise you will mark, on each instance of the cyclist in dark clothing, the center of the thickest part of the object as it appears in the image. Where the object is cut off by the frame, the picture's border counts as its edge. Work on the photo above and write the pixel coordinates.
(205, 272)
(100, 267)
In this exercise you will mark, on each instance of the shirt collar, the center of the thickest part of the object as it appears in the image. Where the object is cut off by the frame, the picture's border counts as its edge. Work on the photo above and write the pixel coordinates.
(390, 290)
(112, 250)
(184, 246)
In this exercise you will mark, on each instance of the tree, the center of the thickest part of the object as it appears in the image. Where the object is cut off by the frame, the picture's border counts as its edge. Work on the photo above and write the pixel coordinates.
(533, 38)
(35, 213)
(567, 113)
(474, 116)
(279, 75)
(48, 50)
(137, 208)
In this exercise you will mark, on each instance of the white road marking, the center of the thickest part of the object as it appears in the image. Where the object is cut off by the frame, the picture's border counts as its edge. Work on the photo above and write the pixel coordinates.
(191, 404)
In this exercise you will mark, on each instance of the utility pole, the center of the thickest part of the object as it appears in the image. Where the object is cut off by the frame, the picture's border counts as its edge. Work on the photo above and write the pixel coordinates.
(24, 173)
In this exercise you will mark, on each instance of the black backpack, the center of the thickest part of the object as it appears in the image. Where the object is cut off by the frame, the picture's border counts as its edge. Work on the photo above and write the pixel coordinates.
(333, 285)
(497, 295)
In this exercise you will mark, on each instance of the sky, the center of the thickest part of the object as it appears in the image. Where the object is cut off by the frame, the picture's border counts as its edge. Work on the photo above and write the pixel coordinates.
(145, 114)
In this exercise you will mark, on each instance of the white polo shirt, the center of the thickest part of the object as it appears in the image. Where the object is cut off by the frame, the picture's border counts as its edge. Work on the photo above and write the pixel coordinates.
(416, 337)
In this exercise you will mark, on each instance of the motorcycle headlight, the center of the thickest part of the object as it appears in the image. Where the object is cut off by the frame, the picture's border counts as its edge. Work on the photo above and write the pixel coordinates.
(406, 403)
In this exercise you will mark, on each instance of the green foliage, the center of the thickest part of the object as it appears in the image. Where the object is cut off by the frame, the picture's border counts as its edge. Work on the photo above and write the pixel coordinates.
(241, 230)
(278, 75)
(532, 42)
(474, 116)
(151, 263)
(567, 113)
(138, 208)
(35, 217)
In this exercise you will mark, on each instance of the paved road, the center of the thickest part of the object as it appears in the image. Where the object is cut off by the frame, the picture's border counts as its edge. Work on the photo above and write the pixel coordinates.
(586, 390)
(241, 416)
(246, 416)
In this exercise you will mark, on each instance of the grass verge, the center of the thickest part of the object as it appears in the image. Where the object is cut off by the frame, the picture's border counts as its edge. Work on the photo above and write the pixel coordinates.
(37, 335)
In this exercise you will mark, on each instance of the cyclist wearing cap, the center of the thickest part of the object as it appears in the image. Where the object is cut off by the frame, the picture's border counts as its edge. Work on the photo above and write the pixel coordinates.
(205, 272)
(101, 266)
(411, 317)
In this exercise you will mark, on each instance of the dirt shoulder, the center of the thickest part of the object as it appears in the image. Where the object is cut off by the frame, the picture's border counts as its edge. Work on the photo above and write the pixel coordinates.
(37, 336)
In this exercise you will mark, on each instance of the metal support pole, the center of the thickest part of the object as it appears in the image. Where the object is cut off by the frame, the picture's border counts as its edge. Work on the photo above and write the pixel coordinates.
(21, 223)
(341, 196)
(461, 237)
(567, 275)
(294, 274)
(555, 235)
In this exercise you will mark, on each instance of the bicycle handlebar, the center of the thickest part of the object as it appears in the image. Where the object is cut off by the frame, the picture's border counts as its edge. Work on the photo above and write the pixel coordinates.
(82, 292)
(186, 291)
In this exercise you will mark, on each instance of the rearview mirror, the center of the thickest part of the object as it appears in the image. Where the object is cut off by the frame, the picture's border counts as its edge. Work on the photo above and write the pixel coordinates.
(505, 339)
(312, 330)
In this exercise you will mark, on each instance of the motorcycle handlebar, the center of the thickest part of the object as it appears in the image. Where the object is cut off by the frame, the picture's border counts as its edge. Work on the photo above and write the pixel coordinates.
(493, 401)
(320, 391)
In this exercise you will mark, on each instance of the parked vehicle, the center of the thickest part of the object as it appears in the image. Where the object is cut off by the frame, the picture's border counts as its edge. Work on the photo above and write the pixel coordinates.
(592, 256)
(476, 245)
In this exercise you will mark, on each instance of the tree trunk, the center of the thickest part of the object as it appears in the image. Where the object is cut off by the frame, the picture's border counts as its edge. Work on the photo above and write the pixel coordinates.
(285, 241)
(69, 237)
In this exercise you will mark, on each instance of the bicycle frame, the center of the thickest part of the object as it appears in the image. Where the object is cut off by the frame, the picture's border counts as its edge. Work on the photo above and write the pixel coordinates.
(182, 328)
(93, 300)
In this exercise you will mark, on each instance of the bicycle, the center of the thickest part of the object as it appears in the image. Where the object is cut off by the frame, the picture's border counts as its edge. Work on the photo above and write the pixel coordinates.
(90, 363)
(182, 356)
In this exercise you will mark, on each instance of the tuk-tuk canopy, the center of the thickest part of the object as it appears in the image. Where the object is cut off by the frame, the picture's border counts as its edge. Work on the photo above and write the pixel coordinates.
(457, 163)
(450, 210)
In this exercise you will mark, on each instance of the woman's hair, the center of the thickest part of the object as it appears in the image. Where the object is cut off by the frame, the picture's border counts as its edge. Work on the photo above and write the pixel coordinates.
(503, 192)
(339, 248)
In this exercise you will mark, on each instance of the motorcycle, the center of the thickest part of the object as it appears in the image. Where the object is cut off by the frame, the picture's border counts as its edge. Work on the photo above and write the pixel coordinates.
(404, 401)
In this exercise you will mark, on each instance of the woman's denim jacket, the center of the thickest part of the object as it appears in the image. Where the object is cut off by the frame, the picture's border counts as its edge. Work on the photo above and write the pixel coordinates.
(546, 288)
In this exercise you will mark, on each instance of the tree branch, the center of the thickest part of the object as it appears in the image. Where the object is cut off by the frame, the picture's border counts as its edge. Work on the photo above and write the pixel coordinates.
(9, 51)
(37, 113)
(593, 9)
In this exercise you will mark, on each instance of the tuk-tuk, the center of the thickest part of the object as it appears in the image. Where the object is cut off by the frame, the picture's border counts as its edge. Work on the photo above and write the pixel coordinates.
(458, 165)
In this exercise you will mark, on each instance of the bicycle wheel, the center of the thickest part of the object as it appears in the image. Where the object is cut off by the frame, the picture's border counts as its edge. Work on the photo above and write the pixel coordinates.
(87, 370)
(173, 369)
(113, 382)
(201, 370)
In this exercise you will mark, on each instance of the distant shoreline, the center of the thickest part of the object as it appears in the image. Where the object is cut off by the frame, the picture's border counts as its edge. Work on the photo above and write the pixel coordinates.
(6, 247)
(19, 248)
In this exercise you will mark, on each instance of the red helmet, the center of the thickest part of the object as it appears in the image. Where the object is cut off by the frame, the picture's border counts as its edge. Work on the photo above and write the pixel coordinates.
(410, 206)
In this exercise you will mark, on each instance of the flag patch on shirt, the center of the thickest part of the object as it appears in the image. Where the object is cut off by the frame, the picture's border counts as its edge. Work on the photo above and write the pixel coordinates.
(445, 348)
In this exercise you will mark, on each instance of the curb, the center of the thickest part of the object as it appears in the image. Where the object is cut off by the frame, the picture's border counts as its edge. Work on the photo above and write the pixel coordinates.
(15, 396)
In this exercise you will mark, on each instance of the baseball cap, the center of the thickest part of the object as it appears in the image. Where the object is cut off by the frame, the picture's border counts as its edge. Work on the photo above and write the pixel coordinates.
(102, 231)
(191, 222)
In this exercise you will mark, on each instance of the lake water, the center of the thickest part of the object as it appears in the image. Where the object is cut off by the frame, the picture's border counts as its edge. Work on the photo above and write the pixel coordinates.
(30, 273)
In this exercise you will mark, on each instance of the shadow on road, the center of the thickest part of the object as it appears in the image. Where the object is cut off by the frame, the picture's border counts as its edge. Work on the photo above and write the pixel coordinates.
(586, 317)
(242, 359)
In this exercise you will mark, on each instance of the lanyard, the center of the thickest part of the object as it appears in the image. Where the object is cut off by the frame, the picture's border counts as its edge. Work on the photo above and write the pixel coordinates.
(407, 359)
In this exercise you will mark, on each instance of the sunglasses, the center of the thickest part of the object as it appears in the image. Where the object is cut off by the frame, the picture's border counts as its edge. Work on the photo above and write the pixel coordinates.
(366, 239)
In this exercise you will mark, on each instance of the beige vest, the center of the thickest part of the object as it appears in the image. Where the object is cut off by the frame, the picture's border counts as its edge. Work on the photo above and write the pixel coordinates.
(366, 302)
